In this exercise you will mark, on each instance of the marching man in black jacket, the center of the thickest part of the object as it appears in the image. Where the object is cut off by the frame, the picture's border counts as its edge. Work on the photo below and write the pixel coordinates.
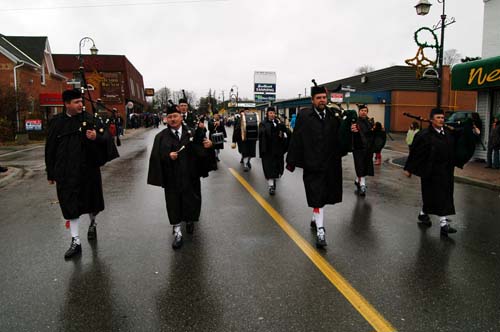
(273, 138)
(362, 152)
(74, 151)
(432, 158)
(180, 156)
(315, 147)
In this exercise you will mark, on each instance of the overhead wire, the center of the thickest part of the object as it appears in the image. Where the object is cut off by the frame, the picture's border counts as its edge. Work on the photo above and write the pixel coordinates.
(104, 5)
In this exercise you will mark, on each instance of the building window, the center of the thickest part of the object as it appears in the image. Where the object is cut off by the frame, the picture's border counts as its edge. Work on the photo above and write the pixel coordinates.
(132, 88)
(42, 77)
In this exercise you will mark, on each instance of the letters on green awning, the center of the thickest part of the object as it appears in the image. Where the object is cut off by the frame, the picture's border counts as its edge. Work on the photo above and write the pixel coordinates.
(475, 75)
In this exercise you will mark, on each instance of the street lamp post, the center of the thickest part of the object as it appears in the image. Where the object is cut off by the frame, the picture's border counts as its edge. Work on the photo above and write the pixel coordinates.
(423, 7)
(93, 51)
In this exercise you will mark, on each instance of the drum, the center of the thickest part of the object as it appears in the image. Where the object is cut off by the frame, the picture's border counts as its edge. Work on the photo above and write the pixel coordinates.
(250, 127)
(218, 138)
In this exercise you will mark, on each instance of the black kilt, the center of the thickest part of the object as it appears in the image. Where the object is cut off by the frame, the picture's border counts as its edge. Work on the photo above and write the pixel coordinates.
(247, 148)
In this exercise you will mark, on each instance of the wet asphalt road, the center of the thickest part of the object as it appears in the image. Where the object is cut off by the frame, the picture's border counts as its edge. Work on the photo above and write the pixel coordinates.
(240, 271)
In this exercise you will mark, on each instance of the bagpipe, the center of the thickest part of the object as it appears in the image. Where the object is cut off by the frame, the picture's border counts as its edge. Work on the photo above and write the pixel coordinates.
(465, 144)
(207, 160)
(102, 156)
(191, 120)
(348, 141)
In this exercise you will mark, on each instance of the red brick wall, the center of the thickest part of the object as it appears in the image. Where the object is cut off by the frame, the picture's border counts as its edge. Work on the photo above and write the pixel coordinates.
(29, 81)
(422, 102)
(106, 63)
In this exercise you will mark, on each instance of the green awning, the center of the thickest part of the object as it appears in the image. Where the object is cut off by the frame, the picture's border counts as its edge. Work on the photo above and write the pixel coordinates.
(475, 75)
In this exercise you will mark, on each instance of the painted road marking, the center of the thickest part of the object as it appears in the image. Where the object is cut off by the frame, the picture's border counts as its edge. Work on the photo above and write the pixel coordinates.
(372, 316)
(18, 151)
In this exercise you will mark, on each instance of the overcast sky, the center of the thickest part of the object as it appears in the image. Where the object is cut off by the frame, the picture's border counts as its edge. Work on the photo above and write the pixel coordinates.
(198, 45)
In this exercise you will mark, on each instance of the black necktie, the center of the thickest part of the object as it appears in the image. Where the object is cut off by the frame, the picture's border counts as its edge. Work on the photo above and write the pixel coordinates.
(322, 115)
(177, 135)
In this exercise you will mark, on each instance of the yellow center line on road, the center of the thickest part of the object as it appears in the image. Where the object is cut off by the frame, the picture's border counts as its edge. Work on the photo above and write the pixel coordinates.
(372, 316)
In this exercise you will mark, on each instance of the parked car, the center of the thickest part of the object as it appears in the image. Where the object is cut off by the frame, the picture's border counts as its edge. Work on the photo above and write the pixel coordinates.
(457, 117)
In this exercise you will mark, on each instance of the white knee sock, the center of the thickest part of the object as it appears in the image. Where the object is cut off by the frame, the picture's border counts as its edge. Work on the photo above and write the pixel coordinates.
(74, 225)
(362, 181)
(177, 229)
(443, 221)
(270, 182)
(318, 217)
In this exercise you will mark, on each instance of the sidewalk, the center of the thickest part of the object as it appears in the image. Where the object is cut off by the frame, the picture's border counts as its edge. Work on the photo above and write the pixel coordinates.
(474, 172)
(15, 173)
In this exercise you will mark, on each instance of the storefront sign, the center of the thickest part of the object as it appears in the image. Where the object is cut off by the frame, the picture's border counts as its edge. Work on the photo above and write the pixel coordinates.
(264, 98)
(111, 87)
(474, 75)
(265, 87)
(246, 105)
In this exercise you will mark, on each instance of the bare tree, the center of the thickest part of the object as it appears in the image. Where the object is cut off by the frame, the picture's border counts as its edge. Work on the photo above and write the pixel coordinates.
(191, 97)
(161, 97)
(451, 57)
(364, 69)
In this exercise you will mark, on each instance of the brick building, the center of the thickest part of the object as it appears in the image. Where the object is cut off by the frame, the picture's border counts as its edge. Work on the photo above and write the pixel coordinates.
(392, 91)
(483, 75)
(26, 64)
(112, 78)
(389, 93)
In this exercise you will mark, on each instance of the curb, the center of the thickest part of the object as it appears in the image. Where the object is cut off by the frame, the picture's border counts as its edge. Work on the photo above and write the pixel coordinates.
(12, 174)
(463, 179)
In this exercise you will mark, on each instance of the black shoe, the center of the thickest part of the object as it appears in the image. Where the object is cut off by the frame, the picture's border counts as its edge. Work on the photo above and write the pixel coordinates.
(321, 239)
(249, 165)
(217, 158)
(362, 191)
(245, 169)
(488, 166)
(313, 225)
(424, 220)
(177, 241)
(356, 184)
(272, 191)
(190, 227)
(241, 161)
(3, 169)
(74, 249)
(92, 233)
(447, 229)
